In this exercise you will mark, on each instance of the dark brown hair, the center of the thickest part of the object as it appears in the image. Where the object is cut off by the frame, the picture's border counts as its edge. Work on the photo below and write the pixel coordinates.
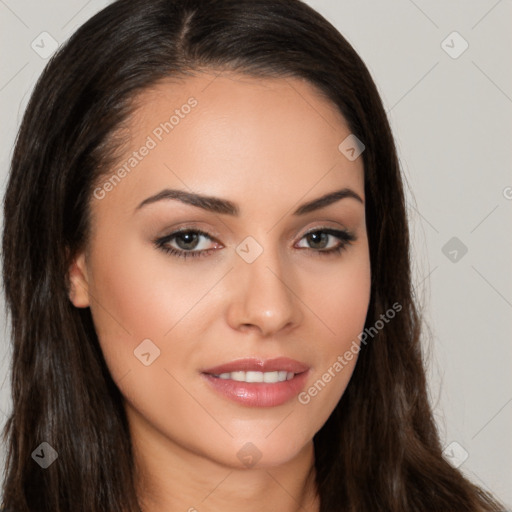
(379, 450)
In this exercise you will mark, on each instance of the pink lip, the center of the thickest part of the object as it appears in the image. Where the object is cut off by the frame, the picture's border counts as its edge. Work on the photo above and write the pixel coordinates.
(259, 394)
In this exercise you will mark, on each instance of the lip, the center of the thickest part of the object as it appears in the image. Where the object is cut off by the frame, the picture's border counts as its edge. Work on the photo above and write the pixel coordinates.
(258, 394)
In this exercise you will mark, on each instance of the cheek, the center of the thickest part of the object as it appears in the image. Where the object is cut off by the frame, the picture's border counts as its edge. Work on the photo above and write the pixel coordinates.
(342, 305)
(139, 294)
(340, 298)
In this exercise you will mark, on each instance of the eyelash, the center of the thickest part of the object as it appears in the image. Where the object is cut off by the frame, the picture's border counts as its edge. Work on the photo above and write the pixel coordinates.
(345, 237)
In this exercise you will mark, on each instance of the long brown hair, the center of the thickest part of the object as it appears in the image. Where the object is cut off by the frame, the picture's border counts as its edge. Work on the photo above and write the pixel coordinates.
(379, 450)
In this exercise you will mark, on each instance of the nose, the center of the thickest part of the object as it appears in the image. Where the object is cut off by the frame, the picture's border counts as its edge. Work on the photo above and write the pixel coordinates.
(265, 297)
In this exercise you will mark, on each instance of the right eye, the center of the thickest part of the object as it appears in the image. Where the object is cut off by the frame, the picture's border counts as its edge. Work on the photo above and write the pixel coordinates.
(187, 241)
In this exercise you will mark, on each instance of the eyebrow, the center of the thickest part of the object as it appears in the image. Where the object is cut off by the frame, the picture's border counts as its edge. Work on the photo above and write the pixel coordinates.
(226, 207)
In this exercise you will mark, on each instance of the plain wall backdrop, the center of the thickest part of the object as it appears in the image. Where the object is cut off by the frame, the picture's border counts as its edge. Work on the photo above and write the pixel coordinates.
(444, 73)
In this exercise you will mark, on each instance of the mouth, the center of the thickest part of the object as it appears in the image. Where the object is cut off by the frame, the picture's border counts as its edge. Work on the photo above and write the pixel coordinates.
(254, 366)
(258, 383)
(269, 377)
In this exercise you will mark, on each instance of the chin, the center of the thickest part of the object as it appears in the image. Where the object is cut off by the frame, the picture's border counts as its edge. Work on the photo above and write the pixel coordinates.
(264, 453)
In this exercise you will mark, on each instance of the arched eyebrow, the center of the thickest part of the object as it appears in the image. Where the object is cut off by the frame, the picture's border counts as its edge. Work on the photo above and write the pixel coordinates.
(226, 207)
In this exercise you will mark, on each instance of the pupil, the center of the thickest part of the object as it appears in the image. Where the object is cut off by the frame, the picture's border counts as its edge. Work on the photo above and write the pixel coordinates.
(319, 237)
(189, 238)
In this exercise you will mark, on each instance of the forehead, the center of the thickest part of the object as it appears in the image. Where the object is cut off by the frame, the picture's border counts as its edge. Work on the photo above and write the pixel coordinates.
(250, 101)
(232, 134)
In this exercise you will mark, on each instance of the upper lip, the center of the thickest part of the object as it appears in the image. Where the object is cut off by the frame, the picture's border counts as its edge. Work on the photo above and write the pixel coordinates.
(259, 365)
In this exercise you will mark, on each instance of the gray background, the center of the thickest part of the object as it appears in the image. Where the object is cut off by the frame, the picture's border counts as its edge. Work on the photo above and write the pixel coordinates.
(451, 115)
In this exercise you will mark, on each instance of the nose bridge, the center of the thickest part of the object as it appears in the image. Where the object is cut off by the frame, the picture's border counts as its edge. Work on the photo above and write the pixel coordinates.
(263, 288)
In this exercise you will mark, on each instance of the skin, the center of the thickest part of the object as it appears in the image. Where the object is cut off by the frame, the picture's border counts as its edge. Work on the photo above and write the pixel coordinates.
(268, 145)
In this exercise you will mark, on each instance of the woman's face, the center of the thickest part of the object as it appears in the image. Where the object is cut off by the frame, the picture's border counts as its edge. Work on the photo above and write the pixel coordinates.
(239, 163)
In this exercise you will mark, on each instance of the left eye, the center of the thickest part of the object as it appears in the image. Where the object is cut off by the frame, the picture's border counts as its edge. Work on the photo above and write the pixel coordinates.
(320, 239)
(189, 240)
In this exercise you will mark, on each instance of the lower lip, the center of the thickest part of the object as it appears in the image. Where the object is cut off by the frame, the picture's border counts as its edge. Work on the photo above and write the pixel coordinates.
(258, 394)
